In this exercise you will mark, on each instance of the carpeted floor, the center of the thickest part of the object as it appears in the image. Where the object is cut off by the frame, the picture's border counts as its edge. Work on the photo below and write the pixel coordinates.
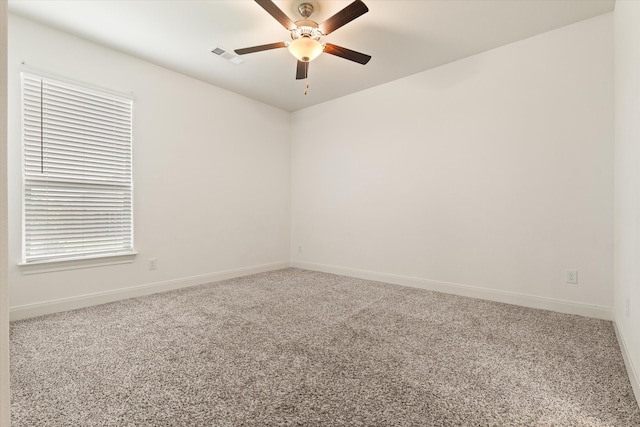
(295, 347)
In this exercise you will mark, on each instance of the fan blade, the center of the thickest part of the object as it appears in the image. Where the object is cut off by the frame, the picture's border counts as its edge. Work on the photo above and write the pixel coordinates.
(275, 11)
(260, 48)
(302, 70)
(345, 53)
(343, 17)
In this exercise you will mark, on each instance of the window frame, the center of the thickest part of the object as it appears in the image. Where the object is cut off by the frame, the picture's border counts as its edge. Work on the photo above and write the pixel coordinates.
(60, 261)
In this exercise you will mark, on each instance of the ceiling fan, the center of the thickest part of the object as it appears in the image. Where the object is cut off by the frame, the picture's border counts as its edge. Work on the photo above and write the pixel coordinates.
(306, 35)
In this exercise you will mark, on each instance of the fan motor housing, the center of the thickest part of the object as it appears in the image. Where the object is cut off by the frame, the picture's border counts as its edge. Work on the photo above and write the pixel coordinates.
(306, 28)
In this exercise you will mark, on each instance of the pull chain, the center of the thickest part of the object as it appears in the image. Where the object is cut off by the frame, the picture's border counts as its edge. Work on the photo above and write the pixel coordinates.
(306, 88)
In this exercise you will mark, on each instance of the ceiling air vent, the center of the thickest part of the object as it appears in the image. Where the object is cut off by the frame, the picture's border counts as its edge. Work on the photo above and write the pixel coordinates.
(229, 56)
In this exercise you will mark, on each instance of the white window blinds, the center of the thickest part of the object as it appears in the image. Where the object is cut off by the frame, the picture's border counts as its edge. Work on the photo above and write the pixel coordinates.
(77, 171)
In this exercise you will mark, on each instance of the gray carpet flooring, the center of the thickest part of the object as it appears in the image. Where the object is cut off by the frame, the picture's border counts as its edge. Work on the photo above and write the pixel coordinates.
(295, 347)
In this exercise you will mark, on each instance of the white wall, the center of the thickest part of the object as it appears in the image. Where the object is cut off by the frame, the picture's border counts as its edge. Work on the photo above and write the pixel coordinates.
(5, 418)
(489, 176)
(627, 178)
(211, 173)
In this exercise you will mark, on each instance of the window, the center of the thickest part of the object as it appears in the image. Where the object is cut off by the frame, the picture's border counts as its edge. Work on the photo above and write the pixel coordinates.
(77, 169)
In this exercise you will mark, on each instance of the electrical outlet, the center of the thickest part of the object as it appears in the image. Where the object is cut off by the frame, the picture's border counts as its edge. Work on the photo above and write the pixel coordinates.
(153, 263)
(300, 248)
(572, 276)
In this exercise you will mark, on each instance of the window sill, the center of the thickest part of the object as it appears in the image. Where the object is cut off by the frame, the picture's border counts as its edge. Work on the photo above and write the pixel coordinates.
(36, 267)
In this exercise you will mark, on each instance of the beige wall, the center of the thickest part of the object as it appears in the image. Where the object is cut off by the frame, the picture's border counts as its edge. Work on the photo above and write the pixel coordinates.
(489, 176)
(627, 202)
(4, 303)
(211, 176)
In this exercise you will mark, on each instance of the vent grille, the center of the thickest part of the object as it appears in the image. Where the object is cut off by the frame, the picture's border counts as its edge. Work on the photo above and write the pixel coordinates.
(225, 54)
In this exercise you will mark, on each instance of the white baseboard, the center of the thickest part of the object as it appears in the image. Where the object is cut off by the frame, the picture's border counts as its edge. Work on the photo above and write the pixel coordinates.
(632, 371)
(72, 303)
(552, 304)
(65, 304)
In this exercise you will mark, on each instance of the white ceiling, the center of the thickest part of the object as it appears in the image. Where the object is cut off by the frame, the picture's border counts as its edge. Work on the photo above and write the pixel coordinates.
(403, 37)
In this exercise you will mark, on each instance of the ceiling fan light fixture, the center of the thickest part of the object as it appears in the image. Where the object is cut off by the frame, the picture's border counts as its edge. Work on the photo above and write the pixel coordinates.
(305, 49)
